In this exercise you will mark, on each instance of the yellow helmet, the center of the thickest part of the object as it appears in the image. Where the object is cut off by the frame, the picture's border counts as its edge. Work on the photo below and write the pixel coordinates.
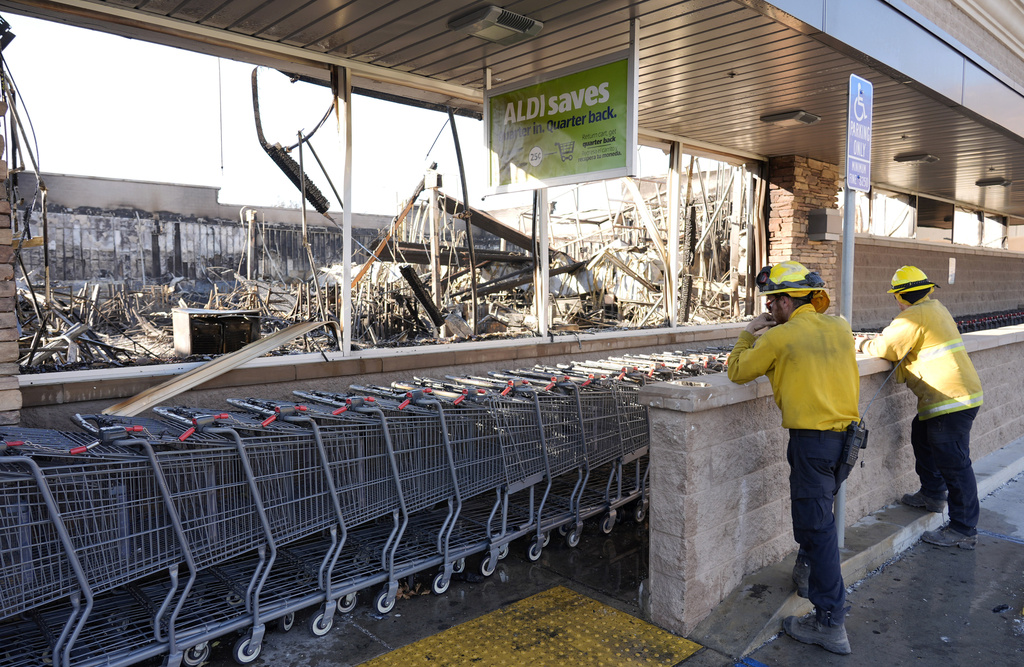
(909, 278)
(795, 279)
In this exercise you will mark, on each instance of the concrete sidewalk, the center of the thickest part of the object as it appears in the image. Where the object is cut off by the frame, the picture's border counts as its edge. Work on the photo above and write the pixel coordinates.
(753, 613)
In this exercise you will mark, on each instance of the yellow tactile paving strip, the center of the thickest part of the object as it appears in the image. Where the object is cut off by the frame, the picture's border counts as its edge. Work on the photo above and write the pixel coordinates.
(556, 627)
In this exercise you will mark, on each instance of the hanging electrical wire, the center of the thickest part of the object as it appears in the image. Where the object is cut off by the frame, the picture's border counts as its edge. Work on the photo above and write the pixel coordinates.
(284, 161)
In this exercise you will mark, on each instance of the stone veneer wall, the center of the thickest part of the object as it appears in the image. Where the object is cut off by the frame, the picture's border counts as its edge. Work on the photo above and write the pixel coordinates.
(10, 393)
(719, 479)
(798, 185)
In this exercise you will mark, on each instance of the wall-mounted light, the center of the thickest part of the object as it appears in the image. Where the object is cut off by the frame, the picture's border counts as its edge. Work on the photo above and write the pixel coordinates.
(497, 25)
(791, 118)
(919, 158)
(996, 180)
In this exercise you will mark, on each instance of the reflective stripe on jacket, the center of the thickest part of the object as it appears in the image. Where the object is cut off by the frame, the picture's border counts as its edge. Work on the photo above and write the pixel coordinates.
(937, 368)
(811, 364)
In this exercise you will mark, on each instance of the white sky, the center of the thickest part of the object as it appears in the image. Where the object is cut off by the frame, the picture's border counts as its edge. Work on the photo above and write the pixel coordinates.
(103, 105)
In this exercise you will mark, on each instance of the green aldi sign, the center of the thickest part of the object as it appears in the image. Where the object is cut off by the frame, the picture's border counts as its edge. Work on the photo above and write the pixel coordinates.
(573, 127)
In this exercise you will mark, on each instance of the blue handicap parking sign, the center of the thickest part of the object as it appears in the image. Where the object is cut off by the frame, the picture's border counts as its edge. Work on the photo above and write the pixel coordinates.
(858, 134)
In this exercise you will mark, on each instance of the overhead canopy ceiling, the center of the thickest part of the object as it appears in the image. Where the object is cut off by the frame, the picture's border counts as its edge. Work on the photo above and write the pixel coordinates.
(709, 69)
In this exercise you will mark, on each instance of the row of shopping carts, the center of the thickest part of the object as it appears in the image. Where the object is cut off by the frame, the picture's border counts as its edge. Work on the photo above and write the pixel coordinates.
(988, 321)
(136, 538)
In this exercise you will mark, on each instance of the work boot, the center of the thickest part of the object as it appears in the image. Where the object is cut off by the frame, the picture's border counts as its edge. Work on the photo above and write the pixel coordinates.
(809, 631)
(801, 576)
(947, 537)
(918, 499)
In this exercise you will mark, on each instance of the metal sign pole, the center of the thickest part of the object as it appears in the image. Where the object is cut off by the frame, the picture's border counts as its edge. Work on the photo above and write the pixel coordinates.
(858, 177)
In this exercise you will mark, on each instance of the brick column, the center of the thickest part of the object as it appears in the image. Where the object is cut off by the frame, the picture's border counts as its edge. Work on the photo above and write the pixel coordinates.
(10, 393)
(798, 185)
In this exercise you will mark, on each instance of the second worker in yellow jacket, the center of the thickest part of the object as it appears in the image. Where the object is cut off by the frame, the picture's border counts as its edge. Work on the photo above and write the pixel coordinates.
(939, 372)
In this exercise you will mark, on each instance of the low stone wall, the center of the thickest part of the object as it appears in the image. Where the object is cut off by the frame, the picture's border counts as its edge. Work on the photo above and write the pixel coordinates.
(719, 478)
(51, 399)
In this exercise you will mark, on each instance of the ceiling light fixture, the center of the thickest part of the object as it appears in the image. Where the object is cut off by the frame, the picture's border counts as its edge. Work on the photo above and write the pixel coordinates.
(921, 158)
(791, 118)
(497, 25)
(989, 182)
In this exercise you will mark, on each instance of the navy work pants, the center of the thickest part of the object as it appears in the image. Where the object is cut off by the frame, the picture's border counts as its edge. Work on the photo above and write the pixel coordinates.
(814, 478)
(942, 451)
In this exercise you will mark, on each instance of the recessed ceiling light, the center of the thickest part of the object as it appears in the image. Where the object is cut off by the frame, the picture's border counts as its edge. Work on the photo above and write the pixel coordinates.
(989, 182)
(497, 25)
(916, 157)
(791, 118)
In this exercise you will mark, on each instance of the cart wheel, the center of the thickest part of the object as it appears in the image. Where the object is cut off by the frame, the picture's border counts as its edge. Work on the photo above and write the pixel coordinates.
(439, 585)
(572, 538)
(487, 566)
(381, 602)
(286, 622)
(533, 553)
(503, 551)
(608, 523)
(459, 566)
(319, 624)
(562, 530)
(640, 511)
(196, 655)
(244, 652)
(547, 539)
(346, 603)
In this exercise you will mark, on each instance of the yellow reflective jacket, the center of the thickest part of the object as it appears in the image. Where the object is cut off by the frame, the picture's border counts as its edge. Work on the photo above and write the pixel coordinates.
(937, 368)
(812, 366)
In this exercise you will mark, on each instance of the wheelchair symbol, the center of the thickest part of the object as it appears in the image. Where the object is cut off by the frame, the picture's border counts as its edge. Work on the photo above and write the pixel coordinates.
(860, 111)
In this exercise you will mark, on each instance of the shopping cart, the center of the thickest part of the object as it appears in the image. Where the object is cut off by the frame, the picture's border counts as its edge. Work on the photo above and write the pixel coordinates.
(210, 488)
(38, 563)
(562, 424)
(631, 472)
(417, 441)
(121, 528)
(294, 497)
(599, 420)
(472, 436)
(534, 445)
(471, 422)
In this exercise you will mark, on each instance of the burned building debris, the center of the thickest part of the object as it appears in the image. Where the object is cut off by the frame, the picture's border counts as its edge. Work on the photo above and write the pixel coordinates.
(106, 291)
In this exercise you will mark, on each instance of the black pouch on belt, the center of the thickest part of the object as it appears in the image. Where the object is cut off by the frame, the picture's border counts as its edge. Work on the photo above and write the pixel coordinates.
(856, 439)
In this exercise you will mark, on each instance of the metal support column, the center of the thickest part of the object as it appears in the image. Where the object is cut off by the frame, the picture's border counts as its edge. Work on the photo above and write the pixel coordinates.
(675, 160)
(846, 312)
(345, 104)
(542, 280)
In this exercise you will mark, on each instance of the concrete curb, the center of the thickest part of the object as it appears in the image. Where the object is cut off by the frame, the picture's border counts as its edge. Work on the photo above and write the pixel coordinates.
(753, 612)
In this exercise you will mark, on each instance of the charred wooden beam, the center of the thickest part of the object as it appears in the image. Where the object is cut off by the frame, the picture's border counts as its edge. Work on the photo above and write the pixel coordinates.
(488, 224)
(518, 278)
(419, 253)
(395, 225)
(421, 294)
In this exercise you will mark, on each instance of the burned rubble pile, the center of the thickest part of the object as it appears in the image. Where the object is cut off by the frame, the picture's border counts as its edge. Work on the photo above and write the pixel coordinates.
(423, 280)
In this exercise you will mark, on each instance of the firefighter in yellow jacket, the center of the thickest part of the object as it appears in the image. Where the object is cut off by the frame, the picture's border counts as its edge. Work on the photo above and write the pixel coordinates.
(941, 375)
(810, 361)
